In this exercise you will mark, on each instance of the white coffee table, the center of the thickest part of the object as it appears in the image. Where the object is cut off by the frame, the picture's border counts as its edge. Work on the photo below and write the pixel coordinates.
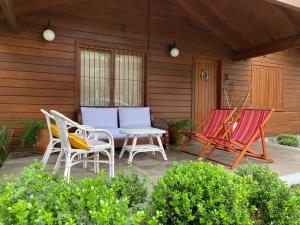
(137, 148)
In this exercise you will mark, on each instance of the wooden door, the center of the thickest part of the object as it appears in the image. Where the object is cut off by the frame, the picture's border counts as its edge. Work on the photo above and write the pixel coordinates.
(206, 74)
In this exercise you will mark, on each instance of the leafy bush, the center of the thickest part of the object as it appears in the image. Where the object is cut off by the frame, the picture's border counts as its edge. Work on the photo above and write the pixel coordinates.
(273, 199)
(201, 193)
(30, 133)
(189, 193)
(5, 136)
(175, 126)
(36, 197)
(288, 139)
(131, 187)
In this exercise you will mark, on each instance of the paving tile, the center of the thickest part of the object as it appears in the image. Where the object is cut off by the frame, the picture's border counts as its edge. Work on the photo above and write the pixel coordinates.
(153, 166)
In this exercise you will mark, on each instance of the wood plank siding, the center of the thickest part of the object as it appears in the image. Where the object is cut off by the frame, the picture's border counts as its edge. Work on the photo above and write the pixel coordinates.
(37, 74)
(287, 119)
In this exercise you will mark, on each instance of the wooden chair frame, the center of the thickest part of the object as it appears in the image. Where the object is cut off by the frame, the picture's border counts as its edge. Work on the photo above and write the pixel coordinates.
(196, 136)
(236, 147)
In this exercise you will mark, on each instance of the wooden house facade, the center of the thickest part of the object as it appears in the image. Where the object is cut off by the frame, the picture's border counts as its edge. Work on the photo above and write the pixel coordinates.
(238, 42)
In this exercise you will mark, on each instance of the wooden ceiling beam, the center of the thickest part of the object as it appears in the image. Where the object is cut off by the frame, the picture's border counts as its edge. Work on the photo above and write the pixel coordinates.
(255, 22)
(203, 15)
(288, 18)
(217, 13)
(29, 6)
(271, 47)
(9, 14)
(291, 4)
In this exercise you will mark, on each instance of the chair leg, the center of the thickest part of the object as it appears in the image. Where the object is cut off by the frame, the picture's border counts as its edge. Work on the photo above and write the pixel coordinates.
(58, 161)
(204, 150)
(67, 166)
(112, 162)
(264, 147)
(96, 162)
(47, 153)
(84, 160)
(185, 143)
(211, 152)
(238, 159)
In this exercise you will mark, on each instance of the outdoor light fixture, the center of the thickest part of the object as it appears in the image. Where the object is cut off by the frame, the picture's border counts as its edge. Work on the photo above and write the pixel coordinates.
(174, 51)
(49, 34)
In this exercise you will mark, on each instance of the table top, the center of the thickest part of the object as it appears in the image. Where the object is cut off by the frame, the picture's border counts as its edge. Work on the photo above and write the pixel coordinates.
(146, 131)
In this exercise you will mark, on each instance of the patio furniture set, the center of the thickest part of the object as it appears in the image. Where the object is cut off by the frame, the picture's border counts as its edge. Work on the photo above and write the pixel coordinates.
(224, 129)
(95, 137)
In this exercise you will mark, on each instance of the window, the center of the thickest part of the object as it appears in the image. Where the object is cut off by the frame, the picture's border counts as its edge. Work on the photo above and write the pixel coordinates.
(111, 77)
(267, 89)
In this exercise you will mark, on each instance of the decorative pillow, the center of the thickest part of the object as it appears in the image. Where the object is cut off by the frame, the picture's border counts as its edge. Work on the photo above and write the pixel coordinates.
(77, 142)
(134, 117)
(54, 130)
(100, 117)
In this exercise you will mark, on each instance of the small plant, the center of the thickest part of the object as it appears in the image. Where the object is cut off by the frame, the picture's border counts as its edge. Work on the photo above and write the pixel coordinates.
(201, 193)
(5, 137)
(274, 201)
(175, 126)
(288, 139)
(30, 133)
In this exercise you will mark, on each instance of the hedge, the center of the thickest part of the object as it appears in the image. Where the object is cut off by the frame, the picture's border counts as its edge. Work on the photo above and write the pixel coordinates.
(188, 193)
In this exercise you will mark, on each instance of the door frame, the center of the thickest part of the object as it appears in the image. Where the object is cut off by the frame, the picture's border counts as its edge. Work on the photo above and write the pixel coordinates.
(218, 85)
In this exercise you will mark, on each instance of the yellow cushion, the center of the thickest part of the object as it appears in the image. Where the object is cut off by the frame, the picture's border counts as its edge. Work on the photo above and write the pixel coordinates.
(54, 130)
(77, 142)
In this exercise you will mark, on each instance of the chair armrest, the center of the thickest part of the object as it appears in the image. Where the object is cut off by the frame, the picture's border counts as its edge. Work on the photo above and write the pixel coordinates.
(93, 133)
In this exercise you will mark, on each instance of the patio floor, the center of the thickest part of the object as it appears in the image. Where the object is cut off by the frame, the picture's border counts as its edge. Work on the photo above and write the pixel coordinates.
(285, 162)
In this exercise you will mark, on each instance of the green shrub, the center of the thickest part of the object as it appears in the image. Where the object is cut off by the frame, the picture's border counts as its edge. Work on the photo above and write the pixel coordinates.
(36, 197)
(30, 133)
(201, 193)
(5, 137)
(288, 139)
(175, 126)
(131, 187)
(274, 200)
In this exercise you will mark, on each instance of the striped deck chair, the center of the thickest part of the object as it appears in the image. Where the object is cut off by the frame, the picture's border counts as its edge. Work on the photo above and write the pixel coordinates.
(216, 125)
(249, 130)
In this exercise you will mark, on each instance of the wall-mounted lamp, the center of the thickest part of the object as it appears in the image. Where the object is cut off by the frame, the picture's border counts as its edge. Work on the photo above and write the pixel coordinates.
(49, 34)
(174, 51)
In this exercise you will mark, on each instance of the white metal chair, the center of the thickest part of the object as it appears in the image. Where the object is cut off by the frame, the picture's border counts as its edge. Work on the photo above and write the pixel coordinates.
(53, 141)
(90, 135)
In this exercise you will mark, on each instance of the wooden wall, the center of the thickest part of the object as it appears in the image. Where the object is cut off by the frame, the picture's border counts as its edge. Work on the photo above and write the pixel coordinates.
(286, 120)
(35, 74)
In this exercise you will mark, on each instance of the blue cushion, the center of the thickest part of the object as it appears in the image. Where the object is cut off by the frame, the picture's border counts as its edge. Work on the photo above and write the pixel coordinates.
(100, 117)
(115, 133)
(134, 117)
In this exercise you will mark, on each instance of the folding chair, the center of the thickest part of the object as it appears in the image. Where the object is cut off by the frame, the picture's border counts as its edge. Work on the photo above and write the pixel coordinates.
(216, 125)
(249, 130)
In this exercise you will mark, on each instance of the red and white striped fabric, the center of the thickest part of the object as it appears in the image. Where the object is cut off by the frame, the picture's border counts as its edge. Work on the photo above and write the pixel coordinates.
(249, 122)
(218, 117)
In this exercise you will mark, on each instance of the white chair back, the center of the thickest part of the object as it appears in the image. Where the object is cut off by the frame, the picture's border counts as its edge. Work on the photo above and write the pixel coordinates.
(61, 122)
(48, 117)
